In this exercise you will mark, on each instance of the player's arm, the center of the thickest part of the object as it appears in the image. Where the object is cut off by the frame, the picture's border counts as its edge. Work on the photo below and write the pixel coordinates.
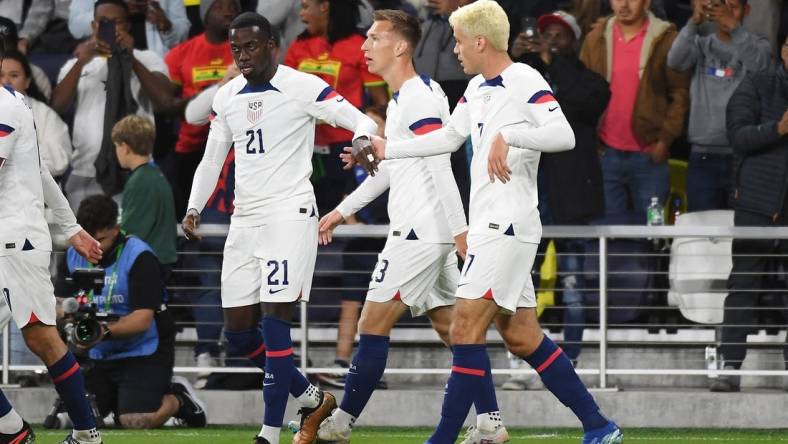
(369, 190)
(220, 141)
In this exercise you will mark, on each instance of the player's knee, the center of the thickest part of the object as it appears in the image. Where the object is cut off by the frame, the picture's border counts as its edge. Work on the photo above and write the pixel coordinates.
(48, 348)
(522, 345)
(463, 330)
(244, 341)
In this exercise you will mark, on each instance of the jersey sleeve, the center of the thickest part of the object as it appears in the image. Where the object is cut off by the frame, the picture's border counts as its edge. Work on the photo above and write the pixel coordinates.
(8, 133)
(324, 103)
(220, 130)
(422, 116)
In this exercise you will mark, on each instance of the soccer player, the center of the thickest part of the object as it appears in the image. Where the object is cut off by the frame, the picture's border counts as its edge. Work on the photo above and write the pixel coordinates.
(417, 268)
(269, 113)
(506, 104)
(25, 249)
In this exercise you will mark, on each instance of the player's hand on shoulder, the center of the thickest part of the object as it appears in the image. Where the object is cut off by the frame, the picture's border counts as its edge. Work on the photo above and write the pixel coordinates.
(86, 246)
(497, 165)
(326, 226)
(190, 224)
(461, 244)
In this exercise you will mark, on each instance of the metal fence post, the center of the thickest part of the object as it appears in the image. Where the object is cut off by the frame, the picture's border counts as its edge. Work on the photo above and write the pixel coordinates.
(602, 312)
(304, 338)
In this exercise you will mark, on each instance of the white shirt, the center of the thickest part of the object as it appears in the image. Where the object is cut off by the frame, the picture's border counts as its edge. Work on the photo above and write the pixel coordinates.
(91, 102)
(25, 183)
(273, 129)
(424, 201)
(53, 139)
(520, 106)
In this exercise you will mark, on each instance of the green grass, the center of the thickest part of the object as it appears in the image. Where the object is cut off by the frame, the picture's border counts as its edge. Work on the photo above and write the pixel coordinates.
(379, 435)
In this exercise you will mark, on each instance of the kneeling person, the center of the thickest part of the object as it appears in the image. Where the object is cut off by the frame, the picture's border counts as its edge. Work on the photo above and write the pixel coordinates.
(417, 268)
(134, 357)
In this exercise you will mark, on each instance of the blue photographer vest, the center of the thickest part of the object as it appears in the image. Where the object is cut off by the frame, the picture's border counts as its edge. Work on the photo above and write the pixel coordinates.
(143, 344)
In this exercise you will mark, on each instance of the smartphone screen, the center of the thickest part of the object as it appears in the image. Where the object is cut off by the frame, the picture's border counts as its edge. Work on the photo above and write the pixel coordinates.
(528, 26)
(106, 32)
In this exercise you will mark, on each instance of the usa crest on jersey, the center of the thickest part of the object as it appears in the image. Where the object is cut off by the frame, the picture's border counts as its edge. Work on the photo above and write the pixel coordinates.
(254, 110)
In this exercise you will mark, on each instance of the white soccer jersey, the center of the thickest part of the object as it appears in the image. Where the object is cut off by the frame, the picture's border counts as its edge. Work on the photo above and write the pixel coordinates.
(273, 129)
(25, 183)
(520, 106)
(424, 202)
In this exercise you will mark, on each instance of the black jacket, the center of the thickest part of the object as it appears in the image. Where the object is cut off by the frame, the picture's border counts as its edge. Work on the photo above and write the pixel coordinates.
(761, 154)
(573, 179)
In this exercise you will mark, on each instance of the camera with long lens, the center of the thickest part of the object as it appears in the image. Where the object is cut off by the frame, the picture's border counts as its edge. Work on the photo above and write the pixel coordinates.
(84, 324)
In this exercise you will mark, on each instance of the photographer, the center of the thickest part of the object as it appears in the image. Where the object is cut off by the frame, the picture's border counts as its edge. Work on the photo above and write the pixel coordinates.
(133, 345)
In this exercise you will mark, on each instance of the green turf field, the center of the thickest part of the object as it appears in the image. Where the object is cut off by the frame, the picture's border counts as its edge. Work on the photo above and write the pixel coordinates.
(368, 435)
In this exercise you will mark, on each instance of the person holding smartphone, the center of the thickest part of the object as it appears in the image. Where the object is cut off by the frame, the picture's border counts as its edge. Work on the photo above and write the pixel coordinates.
(84, 81)
(719, 62)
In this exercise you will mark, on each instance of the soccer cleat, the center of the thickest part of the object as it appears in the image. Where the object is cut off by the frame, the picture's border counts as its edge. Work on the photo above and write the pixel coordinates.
(71, 440)
(475, 435)
(332, 432)
(24, 436)
(260, 440)
(311, 418)
(192, 410)
(609, 434)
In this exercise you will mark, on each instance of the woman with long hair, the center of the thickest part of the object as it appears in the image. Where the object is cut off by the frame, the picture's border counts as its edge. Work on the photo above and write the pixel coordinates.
(52, 133)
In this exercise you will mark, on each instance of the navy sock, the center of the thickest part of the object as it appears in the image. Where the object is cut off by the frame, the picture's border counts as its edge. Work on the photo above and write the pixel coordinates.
(70, 385)
(486, 402)
(298, 383)
(279, 369)
(248, 343)
(469, 366)
(559, 376)
(5, 406)
(366, 371)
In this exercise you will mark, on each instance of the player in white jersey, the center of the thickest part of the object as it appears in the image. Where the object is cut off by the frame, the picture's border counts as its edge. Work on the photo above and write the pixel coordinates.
(269, 113)
(25, 250)
(506, 105)
(417, 268)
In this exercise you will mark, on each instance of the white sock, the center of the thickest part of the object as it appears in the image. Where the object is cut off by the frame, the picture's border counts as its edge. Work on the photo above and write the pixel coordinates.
(343, 418)
(270, 433)
(310, 398)
(489, 421)
(11, 422)
(87, 436)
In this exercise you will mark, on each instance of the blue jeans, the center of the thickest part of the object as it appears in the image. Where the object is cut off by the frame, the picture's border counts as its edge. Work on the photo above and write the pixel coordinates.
(572, 280)
(709, 181)
(632, 175)
(207, 302)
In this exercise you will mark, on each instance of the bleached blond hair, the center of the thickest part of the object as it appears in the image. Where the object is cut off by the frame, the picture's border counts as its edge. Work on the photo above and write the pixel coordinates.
(483, 18)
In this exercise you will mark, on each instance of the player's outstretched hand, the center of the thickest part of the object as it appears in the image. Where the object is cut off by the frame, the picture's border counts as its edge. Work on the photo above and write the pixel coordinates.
(364, 154)
(86, 246)
(190, 224)
(461, 244)
(379, 144)
(497, 165)
(326, 227)
(347, 158)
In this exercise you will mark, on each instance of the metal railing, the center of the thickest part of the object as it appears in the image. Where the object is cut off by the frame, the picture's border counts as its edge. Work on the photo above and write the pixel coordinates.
(602, 234)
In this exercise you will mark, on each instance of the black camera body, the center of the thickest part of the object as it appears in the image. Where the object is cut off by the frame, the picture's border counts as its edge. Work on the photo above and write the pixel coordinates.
(84, 323)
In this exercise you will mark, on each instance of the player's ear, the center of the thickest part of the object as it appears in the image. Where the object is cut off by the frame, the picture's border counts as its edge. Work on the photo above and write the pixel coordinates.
(400, 48)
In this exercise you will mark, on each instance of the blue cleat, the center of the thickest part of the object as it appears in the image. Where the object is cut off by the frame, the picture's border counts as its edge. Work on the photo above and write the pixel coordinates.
(609, 434)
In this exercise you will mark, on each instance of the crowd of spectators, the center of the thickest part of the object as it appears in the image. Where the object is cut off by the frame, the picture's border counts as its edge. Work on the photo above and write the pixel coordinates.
(640, 82)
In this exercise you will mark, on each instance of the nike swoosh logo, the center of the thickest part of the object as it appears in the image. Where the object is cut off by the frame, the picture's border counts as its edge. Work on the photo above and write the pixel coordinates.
(276, 291)
(266, 385)
(462, 285)
(341, 99)
(552, 109)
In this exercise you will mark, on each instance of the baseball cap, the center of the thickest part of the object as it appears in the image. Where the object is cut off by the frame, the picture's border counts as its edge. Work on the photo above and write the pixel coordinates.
(560, 18)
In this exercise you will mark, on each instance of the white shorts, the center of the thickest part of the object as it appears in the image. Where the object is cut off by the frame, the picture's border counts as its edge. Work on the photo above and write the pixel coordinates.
(26, 286)
(420, 274)
(498, 267)
(269, 263)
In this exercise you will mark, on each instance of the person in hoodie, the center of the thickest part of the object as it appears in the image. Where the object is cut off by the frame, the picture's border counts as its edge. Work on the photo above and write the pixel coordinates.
(647, 106)
(719, 62)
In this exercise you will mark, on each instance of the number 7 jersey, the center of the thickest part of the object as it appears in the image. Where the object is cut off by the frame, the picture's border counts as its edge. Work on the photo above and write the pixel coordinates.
(273, 129)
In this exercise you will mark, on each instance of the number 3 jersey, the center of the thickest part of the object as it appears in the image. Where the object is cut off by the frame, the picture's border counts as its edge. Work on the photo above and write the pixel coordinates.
(273, 129)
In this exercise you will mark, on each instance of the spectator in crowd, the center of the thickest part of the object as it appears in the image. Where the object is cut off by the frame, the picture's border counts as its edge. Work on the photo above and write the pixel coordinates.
(570, 182)
(194, 66)
(8, 32)
(402, 5)
(156, 25)
(285, 16)
(757, 123)
(46, 28)
(54, 142)
(647, 106)
(434, 57)
(139, 82)
(764, 19)
(134, 355)
(331, 49)
(720, 61)
(517, 10)
(147, 207)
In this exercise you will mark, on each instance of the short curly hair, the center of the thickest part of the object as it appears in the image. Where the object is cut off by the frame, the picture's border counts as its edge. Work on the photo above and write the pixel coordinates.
(483, 18)
(97, 212)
